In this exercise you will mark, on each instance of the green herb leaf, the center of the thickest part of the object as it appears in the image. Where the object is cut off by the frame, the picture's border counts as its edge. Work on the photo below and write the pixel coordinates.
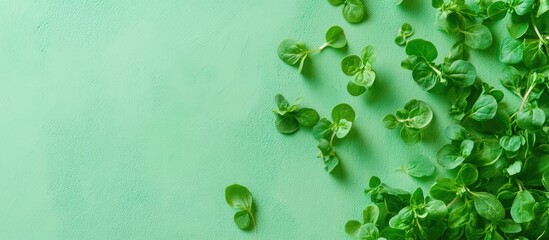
(335, 37)
(343, 111)
(477, 36)
(467, 175)
(390, 121)
(419, 167)
(485, 108)
(497, 10)
(461, 74)
(530, 118)
(488, 206)
(243, 220)
(522, 210)
(292, 52)
(424, 75)
(511, 51)
(423, 49)
(524, 7)
(353, 11)
(307, 117)
(351, 65)
(286, 124)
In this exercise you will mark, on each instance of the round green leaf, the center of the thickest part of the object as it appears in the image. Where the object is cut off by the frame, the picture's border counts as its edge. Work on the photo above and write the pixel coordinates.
(307, 117)
(524, 7)
(410, 136)
(522, 210)
(355, 90)
(353, 11)
(370, 214)
(343, 111)
(534, 54)
(238, 197)
(419, 114)
(424, 75)
(497, 10)
(531, 118)
(488, 206)
(351, 65)
(517, 26)
(291, 51)
(511, 51)
(467, 175)
(423, 49)
(461, 74)
(336, 2)
(485, 108)
(510, 143)
(343, 128)
(449, 156)
(364, 78)
(323, 129)
(243, 220)
(477, 36)
(390, 121)
(286, 124)
(420, 167)
(368, 55)
(335, 37)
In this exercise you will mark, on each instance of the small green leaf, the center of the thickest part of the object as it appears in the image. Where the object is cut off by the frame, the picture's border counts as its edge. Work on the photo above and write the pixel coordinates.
(455, 132)
(239, 197)
(403, 219)
(534, 54)
(243, 220)
(351, 65)
(461, 74)
(459, 217)
(531, 118)
(410, 136)
(511, 78)
(286, 124)
(510, 143)
(374, 182)
(370, 214)
(477, 36)
(511, 51)
(509, 226)
(368, 55)
(436, 209)
(335, 37)
(524, 7)
(485, 108)
(291, 51)
(542, 8)
(364, 78)
(467, 175)
(514, 168)
(307, 117)
(423, 49)
(497, 10)
(353, 11)
(323, 129)
(352, 228)
(517, 26)
(417, 199)
(449, 156)
(343, 128)
(390, 121)
(424, 75)
(419, 167)
(419, 114)
(488, 206)
(343, 111)
(522, 210)
(355, 90)
(336, 2)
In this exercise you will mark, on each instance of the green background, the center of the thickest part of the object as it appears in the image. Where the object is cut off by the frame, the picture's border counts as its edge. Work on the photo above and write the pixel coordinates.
(127, 119)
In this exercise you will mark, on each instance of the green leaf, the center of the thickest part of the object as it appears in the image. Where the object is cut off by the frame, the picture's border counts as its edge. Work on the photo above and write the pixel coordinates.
(424, 75)
(508, 226)
(239, 197)
(336, 2)
(542, 8)
(419, 167)
(281, 102)
(444, 189)
(330, 163)
(403, 219)
(291, 51)
(307, 117)
(343, 111)
(351, 65)
(343, 128)
(370, 214)
(355, 90)
(436, 209)
(390, 121)
(511, 78)
(419, 114)
(423, 49)
(353, 11)
(531, 118)
(335, 37)
(417, 199)
(364, 78)
(488, 206)
(514, 168)
(545, 180)
(323, 129)
(353, 227)
(437, 3)
(477, 36)
(459, 217)
(510, 143)
(455, 132)
(461, 74)
(400, 40)
(368, 55)
(374, 182)
(534, 55)
(522, 210)
(485, 108)
(467, 175)
(243, 219)
(497, 10)
(511, 51)
(449, 156)
(517, 26)
(325, 148)
(486, 152)
(458, 52)
(524, 7)
(410, 136)
(286, 124)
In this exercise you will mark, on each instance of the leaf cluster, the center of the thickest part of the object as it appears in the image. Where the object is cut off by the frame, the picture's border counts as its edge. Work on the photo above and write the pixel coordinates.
(360, 70)
(353, 10)
(415, 116)
(240, 198)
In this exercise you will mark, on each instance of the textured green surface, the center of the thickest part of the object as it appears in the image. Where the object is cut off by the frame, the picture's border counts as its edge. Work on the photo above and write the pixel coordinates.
(127, 119)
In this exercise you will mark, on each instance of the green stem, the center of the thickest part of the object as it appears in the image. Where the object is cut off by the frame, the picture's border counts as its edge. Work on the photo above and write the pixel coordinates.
(537, 30)
(452, 202)
(525, 98)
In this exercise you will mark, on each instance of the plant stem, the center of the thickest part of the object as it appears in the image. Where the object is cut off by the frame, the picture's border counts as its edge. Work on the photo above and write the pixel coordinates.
(452, 202)
(525, 98)
(537, 30)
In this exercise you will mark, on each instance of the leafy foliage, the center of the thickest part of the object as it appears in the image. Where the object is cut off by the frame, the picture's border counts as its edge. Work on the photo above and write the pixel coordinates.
(240, 198)
(361, 71)
(289, 117)
(353, 10)
(414, 117)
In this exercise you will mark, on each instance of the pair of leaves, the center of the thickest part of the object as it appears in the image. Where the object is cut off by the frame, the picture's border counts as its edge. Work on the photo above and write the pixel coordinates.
(294, 52)
(367, 229)
(326, 131)
(404, 33)
(240, 198)
(353, 10)
(289, 117)
(498, 9)
(415, 116)
(426, 74)
(450, 156)
(361, 71)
